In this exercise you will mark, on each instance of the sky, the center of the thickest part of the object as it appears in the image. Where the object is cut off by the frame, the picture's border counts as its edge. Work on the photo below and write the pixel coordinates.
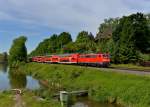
(39, 19)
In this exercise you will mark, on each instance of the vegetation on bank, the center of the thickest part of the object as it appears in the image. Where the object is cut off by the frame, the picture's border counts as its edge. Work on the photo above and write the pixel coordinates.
(128, 90)
(28, 98)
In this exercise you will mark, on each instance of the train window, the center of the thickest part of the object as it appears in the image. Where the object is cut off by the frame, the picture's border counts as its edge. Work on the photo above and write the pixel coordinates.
(88, 56)
(82, 56)
(92, 56)
(105, 55)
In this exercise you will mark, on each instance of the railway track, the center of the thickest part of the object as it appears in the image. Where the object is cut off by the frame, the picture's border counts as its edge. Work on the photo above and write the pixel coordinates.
(120, 70)
(127, 71)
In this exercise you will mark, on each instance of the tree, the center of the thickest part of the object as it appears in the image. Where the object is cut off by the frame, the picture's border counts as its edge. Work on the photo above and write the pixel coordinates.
(106, 29)
(131, 36)
(54, 44)
(47, 46)
(141, 32)
(63, 39)
(104, 36)
(18, 51)
(85, 42)
(69, 48)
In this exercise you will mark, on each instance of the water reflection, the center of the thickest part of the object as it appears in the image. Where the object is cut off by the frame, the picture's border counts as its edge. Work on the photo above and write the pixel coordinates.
(12, 78)
(4, 81)
(3, 68)
(17, 79)
(85, 102)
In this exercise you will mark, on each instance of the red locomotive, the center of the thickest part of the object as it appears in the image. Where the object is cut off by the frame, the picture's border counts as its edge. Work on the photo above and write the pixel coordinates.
(101, 59)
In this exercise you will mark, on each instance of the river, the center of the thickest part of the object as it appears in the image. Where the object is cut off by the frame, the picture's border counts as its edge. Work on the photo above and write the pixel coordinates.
(10, 80)
(85, 102)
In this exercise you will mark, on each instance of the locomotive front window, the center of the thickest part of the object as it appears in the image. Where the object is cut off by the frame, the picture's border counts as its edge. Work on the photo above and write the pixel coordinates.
(106, 56)
(93, 56)
(82, 56)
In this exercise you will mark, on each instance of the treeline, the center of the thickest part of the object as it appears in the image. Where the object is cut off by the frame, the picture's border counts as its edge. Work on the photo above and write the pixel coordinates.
(63, 43)
(127, 39)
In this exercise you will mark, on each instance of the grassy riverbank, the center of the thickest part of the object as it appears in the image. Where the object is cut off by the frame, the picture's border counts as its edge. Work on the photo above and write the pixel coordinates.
(125, 89)
(28, 99)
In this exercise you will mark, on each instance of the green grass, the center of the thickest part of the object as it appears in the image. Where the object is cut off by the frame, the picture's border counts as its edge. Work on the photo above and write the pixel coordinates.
(130, 66)
(6, 99)
(145, 57)
(29, 99)
(32, 101)
(126, 89)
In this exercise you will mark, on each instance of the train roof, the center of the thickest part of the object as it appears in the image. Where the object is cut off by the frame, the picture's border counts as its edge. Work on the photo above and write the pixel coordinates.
(67, 54)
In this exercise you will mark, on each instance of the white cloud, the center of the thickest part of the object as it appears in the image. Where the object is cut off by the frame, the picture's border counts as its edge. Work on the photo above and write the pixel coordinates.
(68, 15)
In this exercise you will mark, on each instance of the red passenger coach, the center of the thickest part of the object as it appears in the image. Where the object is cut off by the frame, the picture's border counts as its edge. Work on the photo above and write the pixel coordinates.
(74, 58)
(40, 59)
(48, 59)
(37, 59)
(33, 59)
(55, 59)
(69, 58)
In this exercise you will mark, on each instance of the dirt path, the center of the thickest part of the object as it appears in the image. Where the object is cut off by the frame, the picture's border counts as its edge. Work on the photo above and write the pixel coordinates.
(18, 99)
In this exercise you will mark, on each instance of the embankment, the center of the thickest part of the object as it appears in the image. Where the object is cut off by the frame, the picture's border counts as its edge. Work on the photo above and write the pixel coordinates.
(125, 89)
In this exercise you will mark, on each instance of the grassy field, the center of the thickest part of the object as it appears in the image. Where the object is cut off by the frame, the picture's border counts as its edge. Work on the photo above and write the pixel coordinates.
(130, 66)
(28, 99)
(128, 90)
